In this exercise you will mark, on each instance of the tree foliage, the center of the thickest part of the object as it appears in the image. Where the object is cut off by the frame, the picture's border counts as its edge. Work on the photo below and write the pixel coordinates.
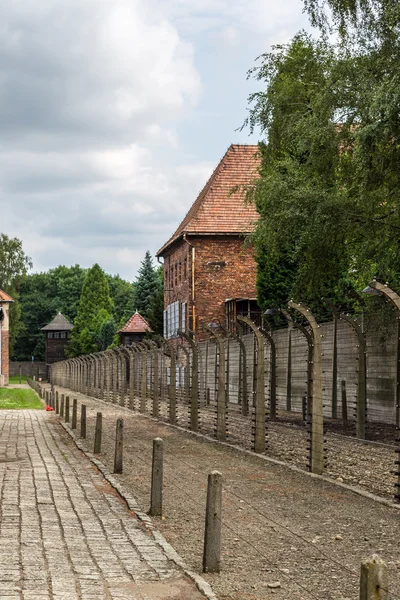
(329, 188)
(156, 314)
(14, 266)
(147, 286)
(95, 297)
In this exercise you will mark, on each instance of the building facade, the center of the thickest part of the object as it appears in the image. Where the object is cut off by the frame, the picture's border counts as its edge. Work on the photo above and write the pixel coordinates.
(5, 301)
(208, 262)
(57, 337)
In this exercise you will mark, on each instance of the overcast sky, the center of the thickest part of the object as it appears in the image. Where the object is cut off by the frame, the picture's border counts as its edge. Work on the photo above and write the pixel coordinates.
(113, 113)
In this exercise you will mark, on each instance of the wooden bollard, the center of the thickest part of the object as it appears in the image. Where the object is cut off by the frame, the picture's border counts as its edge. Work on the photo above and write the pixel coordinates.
(57, 404)
(373, 579)
(83, 421)
(47, 397)
(74, 413)
(97, 433)
(212, 534)
(62, 406)
(20, 374)
(157, 479)
(67, 409)
(119, 444)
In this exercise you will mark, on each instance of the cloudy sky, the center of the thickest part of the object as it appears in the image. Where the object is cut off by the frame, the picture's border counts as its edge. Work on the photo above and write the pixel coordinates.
(113, 114)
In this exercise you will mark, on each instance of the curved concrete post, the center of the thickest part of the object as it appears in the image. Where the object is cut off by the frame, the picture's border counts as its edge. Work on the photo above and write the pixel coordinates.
(114, 374)
(316, 412)
(172, 382)
(394, 299)
(107, 382)
(242, 393)
(194, 395)
(221, 425)
(259, 424)
(289, 360)
(154, 366)
(143, 381)
(272, 382)
(122, 371)
(362, 376)
(185, 395)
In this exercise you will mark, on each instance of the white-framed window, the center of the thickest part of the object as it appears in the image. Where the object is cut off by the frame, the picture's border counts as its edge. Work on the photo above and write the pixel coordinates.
(173, 319)
(183, 316)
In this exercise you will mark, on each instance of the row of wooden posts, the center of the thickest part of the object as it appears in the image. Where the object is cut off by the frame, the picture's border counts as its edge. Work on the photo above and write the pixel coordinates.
(213, 520)
(373, 574)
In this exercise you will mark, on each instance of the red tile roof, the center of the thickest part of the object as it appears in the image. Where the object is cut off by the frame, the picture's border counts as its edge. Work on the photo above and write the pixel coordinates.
(136, 324)
(5, 297)
(216, 210)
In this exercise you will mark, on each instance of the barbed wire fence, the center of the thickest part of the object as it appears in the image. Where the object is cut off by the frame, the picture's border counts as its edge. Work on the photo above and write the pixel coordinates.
(289, 391)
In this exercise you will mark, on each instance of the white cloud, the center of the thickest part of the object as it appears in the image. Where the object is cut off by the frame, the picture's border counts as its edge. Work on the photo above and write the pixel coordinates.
(102, 145)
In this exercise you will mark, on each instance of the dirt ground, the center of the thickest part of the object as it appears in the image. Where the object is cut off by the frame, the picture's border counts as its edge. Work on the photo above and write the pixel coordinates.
(285, 535)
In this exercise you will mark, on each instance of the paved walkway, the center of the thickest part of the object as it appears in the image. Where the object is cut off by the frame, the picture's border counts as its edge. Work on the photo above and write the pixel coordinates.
(64, 532)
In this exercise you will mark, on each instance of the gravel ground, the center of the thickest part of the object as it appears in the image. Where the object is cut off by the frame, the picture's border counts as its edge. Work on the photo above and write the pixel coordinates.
(285, 535)
(363, 464)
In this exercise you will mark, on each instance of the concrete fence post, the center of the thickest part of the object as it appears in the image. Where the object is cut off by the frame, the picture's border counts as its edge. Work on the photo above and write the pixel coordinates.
(373, 579)
(259, 421)
(157, 479)
(316, 463)
(97, 433)
(194, 393)
(119, 444)
(172, 385)
(212, 533)
(74, 413)
(83, 421)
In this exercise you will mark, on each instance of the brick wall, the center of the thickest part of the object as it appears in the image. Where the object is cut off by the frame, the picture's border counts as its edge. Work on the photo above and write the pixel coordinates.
(224, 268)
(4, 346)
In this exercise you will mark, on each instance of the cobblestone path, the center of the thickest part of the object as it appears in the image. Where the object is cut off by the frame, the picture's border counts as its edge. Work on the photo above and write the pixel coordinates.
(65, 534)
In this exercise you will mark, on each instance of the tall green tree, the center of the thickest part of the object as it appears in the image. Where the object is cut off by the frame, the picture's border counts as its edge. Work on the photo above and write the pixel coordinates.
(42, 296)
(14, 266)
(147, 286)
(94, 298)
(156, 315)
(123, 294)
(329, 188)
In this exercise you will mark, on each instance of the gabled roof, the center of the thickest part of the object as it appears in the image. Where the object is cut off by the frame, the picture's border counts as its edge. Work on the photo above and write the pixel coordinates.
(59, 323)
(216, 210)
(5, 297)
(136, 324)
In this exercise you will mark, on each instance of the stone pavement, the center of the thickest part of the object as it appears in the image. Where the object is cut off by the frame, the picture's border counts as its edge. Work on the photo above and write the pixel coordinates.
(65, 534)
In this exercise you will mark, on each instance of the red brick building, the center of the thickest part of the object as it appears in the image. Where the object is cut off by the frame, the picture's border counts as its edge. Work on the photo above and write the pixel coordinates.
(134, 330)
(209, 268)
(5, 301)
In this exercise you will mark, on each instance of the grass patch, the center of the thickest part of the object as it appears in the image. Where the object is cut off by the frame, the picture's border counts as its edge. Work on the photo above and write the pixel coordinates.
(17, 398)
(15, 379)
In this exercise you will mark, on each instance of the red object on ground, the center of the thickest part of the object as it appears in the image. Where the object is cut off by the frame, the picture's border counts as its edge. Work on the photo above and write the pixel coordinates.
(49, 407)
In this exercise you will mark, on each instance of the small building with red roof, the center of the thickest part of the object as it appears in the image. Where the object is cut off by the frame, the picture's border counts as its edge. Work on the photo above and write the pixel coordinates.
(134, 330)
(209, 266)
(5, 301)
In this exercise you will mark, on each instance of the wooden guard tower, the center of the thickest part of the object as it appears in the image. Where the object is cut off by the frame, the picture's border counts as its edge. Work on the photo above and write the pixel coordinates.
(57, 336)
